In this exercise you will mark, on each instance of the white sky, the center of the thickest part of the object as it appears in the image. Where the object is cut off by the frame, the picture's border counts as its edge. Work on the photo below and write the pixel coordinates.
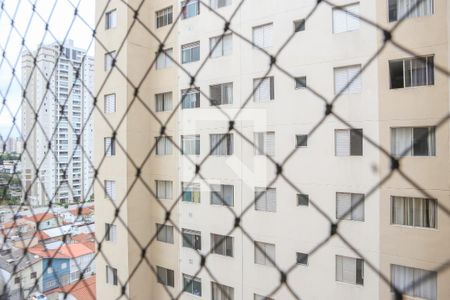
(11, 41)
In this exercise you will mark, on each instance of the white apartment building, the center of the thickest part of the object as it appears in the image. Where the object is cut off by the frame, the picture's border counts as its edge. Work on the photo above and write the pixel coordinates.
(392, 234)
(59, 145)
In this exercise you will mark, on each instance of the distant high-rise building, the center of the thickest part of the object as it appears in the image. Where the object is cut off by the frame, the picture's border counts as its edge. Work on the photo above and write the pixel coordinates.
(56, 160)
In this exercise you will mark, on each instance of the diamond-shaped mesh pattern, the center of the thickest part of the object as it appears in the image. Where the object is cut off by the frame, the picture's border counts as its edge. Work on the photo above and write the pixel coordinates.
(10, 63)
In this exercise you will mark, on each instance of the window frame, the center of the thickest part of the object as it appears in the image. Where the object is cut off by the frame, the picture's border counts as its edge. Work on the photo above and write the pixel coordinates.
(108, 23)
(434, 204)
(196, 237)
(357, 260)
(257, 83)
(221, 194)
(164, 233)
(164, 17)
(190, 48)
(109, 97)
(352, 150)
(215, 148)
(226, 242)
(162, 98)
(187, 94)
(190, 282)
(223, 88)
(430, 80)
(163, 276)
(353, 196)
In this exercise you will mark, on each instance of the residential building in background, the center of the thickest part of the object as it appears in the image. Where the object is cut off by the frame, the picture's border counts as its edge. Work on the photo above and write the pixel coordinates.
(59, 80)
(11, 145)
(396, 101)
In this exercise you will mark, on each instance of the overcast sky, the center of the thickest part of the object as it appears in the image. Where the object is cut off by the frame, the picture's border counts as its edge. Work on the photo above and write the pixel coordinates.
(59, 15)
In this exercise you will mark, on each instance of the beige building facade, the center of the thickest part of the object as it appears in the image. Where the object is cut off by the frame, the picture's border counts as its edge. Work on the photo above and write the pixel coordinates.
(331, 172)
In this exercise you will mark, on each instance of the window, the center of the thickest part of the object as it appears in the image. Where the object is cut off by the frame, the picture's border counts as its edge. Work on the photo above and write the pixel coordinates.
(111, 275)
(164, 59)
(190, 8)
(263, 89)
(221, 93)
(410, 211)
(111, 19)
(33, 275)
(17, 280)
(302, 200)
(264, 143)
(110, 189)
(224, 45)
(265, 199)
(413, 141)
(165, 276)
(264, 253)
(345, 80)
(191, 192)
(343, 20)
(163, 189)
(409, 72)
(414, 282)
(163, 145)
(110, 146)
(192, 239)
(221, 144)
(215, 4)
(163, 101)
(190, 98)
(190, 144)
(348, 142)
(300, 82)
(221, 244)
(301, 140)
(350, 206)
(110, 103)
(110, 232)
(259, 297)
(400, 9)
(164, 17)
(299, 25)
(109, 60)
(350, 270)
(50, 270)
(192, 285)
(221, 292)
(302, 258)
(63, 266)
(164, 233)
(222, 194)
(190, 52)
(262, 36)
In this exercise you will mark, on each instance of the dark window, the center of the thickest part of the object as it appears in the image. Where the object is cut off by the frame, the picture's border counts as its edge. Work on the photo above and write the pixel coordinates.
(302, 258)
(299, 25)
(302, 200)
(300, 82)
(356, 142)
(165, 276)
(408, 72)
(301, 140)
(192, 239)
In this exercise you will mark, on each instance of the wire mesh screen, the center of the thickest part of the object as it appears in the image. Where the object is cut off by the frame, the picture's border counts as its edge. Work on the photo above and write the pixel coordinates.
(224, 149)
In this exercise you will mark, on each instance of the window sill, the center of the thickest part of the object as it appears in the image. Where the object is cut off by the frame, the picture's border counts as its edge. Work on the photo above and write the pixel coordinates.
(414, 227)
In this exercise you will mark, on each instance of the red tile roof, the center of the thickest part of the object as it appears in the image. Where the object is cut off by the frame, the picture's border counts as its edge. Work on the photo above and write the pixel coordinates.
(65, 251)
(81, 290)
(40, 217)
(85, 211)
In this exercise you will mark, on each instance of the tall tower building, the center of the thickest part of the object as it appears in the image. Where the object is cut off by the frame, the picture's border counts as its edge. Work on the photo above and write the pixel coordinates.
(392, 230)
(59, 81)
